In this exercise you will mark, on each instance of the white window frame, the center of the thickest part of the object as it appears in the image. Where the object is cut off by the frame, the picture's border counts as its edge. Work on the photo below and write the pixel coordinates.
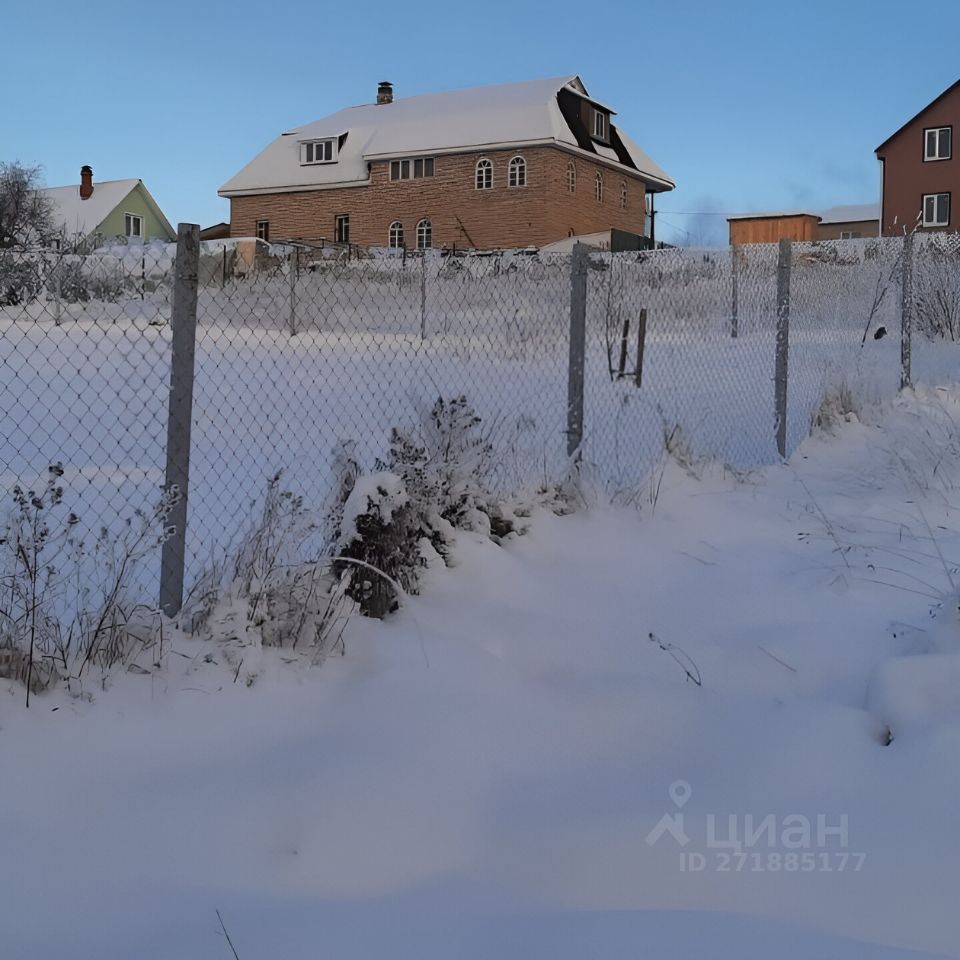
(340, 220)
(571, 177)
(598, 187)
(599, 125)
(483, 174)
(517, 172)
(308, 151)
(133, 216)
(424, 232)
(266, 224)
(405, 168)
(923, 209)
(395, 235)
(936, 155)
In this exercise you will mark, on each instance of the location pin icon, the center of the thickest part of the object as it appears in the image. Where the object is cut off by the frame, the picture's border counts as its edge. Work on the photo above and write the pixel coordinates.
(680, 792)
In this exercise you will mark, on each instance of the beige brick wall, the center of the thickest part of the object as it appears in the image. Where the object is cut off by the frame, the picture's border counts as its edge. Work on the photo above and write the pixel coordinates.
(537, 214)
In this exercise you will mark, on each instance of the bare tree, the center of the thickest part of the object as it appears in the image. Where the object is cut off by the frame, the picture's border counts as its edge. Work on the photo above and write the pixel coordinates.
(26, 214)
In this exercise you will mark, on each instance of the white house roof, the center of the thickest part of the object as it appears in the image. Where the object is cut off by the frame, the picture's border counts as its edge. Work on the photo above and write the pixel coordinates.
(851, 213)
(81, 217)
(505, 115)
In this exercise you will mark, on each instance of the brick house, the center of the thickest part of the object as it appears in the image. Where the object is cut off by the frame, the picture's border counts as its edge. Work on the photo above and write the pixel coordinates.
(921, 176)
(512, 165)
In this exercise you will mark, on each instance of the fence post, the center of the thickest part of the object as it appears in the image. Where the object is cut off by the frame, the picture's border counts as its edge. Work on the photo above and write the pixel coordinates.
(641, 347)
(57, 296)
(783, 343)
(906, 313)
(423, 294)
(293, 292)
(183, 322)
(735, 284)
(579, 263)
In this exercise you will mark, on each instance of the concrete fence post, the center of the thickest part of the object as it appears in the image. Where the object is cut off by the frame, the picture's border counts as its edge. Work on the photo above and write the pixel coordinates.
(183, 322)
(906, 313)
(579, 264)
(784, 259)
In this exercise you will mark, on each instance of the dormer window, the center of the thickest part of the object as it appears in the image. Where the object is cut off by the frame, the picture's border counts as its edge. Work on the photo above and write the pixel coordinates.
(318, 151)
(599, 125)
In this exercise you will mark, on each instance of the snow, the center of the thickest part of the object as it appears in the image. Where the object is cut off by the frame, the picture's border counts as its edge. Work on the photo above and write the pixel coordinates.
(79, 217)
(479, 118)
(380, 493)
(478, 775)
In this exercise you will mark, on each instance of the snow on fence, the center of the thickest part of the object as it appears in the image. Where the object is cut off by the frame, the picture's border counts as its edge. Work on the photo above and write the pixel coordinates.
(724, 353)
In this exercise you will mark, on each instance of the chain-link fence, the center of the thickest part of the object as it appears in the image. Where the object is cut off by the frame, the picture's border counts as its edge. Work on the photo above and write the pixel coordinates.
(290, 353)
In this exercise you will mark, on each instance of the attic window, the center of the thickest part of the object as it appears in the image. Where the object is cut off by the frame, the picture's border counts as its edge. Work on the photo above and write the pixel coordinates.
(936, 143)
(599, 125)
(132, 225)
(318, 151)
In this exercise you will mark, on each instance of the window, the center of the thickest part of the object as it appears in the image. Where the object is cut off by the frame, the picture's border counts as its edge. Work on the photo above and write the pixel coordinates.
(484, 178)
(318, 151)
(263, 230)
(623, 194)
(132, 225)
(850, 235)
(424, 235)
(342, 229)
(936, 209)
(571, 177)
(937, 143)
(598, 187)
(395, 235)
(517, 176)
(599, 125)
(411, 169)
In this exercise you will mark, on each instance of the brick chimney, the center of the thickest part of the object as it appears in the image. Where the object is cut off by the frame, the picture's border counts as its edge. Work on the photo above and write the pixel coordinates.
(86, 182)
(385, 92)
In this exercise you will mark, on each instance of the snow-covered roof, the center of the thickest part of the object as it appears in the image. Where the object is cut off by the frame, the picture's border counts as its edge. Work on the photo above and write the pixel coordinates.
(81, 217)
(505, 115)
(851, 213)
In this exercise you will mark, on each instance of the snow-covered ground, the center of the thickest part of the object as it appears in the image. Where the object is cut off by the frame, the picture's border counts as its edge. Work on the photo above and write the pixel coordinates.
(484, 773)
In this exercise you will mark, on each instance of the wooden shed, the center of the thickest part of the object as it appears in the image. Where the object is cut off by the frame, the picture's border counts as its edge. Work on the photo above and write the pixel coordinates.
(771, 227)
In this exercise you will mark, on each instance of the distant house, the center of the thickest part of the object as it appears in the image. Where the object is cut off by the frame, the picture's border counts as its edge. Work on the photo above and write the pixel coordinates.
(921, 176)
(848, 222)
(512, 165)
(91, 212)
(218, 231)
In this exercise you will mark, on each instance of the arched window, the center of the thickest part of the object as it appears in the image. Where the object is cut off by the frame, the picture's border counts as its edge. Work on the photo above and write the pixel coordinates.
(517, 173)
(572, 177)
(484, 178)
(598, 188)
(396, 234)
(424, 234)
(623, 194)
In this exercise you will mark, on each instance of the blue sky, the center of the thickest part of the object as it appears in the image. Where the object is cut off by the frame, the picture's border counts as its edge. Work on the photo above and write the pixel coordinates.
(748, 105)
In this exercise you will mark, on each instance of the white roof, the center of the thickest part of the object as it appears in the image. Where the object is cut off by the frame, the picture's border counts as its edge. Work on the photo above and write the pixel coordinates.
(81, 217)
(851, 213)
(504, 115)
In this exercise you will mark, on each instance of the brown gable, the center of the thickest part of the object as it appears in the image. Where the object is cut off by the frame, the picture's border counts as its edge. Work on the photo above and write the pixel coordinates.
(917, 115)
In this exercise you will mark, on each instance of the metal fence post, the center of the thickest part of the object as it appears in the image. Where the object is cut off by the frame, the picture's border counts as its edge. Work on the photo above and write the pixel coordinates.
(423, 294)
(579, 264)
(292, 264)
(906, 313)
(735, 293)
(783, 343)
(183, 324)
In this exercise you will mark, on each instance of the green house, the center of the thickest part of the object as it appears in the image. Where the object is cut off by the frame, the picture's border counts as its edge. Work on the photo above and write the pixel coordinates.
(91, 212)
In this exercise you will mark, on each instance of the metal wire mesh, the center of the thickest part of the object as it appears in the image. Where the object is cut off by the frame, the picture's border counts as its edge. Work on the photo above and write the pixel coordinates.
(298, 349)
